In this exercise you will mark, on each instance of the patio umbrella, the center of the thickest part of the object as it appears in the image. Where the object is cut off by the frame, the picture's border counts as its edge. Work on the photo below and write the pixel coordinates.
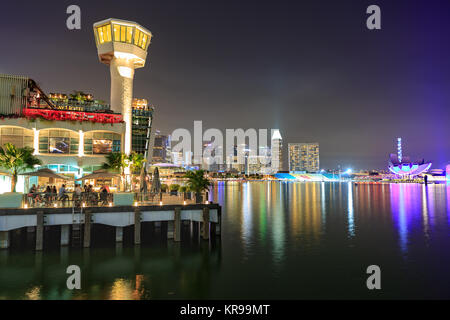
(45, 173)
(156, 184)
(99, 174)
(143, 187)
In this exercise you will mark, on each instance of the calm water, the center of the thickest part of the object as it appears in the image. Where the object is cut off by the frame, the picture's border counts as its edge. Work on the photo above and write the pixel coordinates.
(280, 240)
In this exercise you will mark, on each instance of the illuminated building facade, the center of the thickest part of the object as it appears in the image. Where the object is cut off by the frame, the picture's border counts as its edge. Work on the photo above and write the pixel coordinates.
(304, 157)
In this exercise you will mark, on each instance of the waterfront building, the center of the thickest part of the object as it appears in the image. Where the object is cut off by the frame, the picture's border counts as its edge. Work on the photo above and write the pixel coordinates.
(303, 157)
(277, 151)
(161, 148)
(70, 134)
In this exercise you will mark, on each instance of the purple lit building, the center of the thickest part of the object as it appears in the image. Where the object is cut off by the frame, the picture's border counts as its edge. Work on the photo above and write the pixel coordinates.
(403, 166)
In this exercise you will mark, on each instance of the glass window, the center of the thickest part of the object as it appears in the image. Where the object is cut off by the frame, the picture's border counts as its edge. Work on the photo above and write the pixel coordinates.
(58, 141)
(144, 40)
(122, 33)
(140, 39)
(17, 136)
(137, 34)
(116, 32)
(108, 33)
(129, 34)
(101, 142)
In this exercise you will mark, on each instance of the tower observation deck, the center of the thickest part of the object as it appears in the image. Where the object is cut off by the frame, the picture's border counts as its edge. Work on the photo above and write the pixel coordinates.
(122, 45)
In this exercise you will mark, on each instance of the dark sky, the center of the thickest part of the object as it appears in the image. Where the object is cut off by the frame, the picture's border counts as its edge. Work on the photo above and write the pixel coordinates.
(310, 68)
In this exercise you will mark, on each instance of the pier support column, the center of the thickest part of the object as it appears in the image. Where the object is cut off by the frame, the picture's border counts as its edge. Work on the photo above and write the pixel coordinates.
(119, 234)
(191, 228)
(170, 229)
(218, 226)
(177, 222)
(65, 234)
(4, 239)
(87, 229)
(205, 225)
(137, 226)
(39, 230)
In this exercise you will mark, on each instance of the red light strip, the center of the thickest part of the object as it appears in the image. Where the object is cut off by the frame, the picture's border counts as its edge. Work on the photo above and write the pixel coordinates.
(60, 115)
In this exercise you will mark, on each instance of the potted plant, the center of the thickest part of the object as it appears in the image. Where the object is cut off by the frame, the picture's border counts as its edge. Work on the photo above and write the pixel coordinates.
(197, 183)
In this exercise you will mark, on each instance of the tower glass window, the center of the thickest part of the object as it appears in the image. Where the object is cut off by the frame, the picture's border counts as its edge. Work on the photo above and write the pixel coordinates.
(121, 33)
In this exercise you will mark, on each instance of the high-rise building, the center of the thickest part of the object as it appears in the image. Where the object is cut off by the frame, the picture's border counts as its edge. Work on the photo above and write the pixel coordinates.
(277, 151)
(142, 126)
(161, 148)
(303, 157)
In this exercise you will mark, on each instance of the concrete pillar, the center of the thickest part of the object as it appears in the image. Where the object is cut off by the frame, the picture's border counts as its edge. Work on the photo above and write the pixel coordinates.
(177, 222)
(218, 226)
(205, 226)
(191, 228)
(137, 226)
(4, 239)
(119, 234)
(39, 230)
(87, 229)
(65, 234)
(170, 229)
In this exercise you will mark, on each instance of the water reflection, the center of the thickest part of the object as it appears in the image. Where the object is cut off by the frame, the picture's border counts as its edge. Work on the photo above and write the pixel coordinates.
(278, 238)
(351, 222)
(399, 211)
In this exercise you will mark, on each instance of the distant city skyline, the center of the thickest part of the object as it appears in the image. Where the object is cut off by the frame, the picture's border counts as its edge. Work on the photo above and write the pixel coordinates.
(310, 69)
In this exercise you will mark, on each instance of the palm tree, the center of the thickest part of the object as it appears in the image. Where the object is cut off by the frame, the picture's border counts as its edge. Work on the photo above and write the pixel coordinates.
(116, 162)
(136, 161)
(119, 161)
(17, 160)
(197, 182)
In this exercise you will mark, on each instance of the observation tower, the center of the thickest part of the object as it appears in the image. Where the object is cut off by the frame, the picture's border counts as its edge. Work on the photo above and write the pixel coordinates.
(122, 45)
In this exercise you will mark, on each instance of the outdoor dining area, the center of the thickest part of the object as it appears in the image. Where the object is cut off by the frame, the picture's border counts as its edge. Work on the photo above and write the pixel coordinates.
(58, 193)
(100, 188)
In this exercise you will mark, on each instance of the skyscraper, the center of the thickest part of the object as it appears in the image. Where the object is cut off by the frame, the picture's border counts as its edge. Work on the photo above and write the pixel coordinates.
(303, 157)
(142, 125)
(161, 148)
(277, 151)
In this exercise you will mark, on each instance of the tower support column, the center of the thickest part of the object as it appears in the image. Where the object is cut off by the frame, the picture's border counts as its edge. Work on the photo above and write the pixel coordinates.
(122, 74)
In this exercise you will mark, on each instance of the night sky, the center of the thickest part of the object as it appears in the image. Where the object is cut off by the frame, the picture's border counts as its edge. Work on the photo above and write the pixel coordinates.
(310, 68)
